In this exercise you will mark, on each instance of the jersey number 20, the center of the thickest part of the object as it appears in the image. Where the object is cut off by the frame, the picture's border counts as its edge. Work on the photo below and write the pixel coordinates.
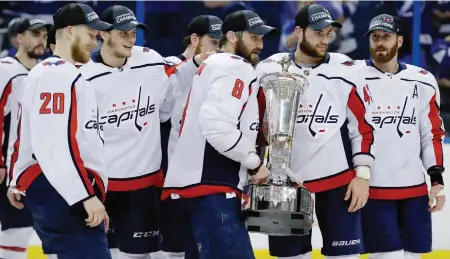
(57, 103)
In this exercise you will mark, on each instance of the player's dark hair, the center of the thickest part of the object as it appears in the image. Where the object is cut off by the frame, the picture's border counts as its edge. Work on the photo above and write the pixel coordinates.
(224, 40)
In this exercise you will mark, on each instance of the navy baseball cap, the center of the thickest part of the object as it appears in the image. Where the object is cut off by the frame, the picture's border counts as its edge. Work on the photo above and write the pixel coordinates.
(79, 14)
(122, 18)
(315, 16)
(386, 23)
(245, 20)
(206, 24)
(13, 27)
(25, 24)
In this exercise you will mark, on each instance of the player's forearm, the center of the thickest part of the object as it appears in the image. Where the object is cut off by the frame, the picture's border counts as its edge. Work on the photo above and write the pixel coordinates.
(230, 142)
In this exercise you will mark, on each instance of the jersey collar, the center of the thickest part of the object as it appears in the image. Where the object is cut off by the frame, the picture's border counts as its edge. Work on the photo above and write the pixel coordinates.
(14, 57)
(325, 60)
(401, 66)
(97, 58)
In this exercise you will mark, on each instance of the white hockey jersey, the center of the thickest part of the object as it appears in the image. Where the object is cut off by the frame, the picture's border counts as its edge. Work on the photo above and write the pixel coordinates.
(133, 100)
(53, 139)
(409, 130)
(12, 76)
(333, 132)
(219, 129)
(184, 86)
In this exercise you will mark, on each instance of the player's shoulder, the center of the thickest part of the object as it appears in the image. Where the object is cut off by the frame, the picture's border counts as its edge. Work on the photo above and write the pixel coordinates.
(12, 67)
(225, 60)
(93, 68)
(339, 59)
(54, 67)
(418, 74)
(143, 55)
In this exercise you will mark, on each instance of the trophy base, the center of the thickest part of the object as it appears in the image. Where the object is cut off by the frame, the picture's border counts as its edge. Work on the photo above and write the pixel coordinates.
(278, 224)
(278, 210)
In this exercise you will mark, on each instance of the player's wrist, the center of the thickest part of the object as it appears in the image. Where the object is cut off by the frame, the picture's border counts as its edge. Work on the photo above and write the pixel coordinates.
(435, 173)
(363, 172)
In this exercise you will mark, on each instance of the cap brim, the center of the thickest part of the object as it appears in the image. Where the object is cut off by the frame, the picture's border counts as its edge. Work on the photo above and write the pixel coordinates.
(100, 25)
(130, 25)
(262, 30)
(324, 23)
(38, 26)
(379, 28)
(216, 34)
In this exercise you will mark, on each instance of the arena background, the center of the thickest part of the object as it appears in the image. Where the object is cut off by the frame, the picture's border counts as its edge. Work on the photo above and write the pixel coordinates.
(427, 44)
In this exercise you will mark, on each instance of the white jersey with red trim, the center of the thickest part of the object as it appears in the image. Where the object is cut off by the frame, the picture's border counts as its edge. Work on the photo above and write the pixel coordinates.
(53, 139)
(12, 77)
(333, 132)
(219, 129)
(184, 86)
(133, 100)
(409, 130)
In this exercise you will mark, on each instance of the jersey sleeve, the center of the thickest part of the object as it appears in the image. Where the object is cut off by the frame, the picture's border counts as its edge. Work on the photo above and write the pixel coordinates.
(5, 89)
(220, 113)
(360, 130)
(432, 131)
(171, 92)
(53, 119)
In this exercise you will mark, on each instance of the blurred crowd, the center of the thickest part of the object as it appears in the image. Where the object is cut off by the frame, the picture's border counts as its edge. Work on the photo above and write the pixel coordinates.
(167, 21)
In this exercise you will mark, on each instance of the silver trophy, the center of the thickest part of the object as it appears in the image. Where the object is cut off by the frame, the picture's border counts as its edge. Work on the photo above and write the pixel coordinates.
(281, 207)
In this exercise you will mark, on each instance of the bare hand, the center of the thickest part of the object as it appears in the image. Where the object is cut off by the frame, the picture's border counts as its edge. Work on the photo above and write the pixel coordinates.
(95, 210)
(262, 175)
(437, 193)
(2, 174)
(358, 190)
(199, 58)
(14, 199)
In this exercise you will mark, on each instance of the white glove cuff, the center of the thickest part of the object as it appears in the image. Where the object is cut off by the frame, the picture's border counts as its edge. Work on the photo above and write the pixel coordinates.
(251, 161)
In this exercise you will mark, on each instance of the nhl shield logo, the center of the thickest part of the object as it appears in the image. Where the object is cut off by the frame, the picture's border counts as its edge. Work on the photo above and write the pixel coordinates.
(306, 72)
(388, 19)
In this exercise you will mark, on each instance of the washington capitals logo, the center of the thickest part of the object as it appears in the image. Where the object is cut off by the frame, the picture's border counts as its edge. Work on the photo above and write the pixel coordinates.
(309, 114)
(395, 117)
(57, 63)
(388, 19)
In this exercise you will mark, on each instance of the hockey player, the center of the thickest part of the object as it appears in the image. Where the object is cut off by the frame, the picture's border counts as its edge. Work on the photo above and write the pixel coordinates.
(56, 160)
(16, 223)
(205, 32)
(135, 92)
(216, 149)
(405, 100)
(331, 119)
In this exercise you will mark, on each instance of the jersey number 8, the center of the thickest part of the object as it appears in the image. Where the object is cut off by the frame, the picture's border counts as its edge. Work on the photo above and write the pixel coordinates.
(238, 88)
(57, 100)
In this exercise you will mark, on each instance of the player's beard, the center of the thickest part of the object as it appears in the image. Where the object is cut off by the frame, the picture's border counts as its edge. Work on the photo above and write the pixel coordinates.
(311, 50)
(34, 53)
(114, 46)
(384, 58)
(79, 53)
(250, 55)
